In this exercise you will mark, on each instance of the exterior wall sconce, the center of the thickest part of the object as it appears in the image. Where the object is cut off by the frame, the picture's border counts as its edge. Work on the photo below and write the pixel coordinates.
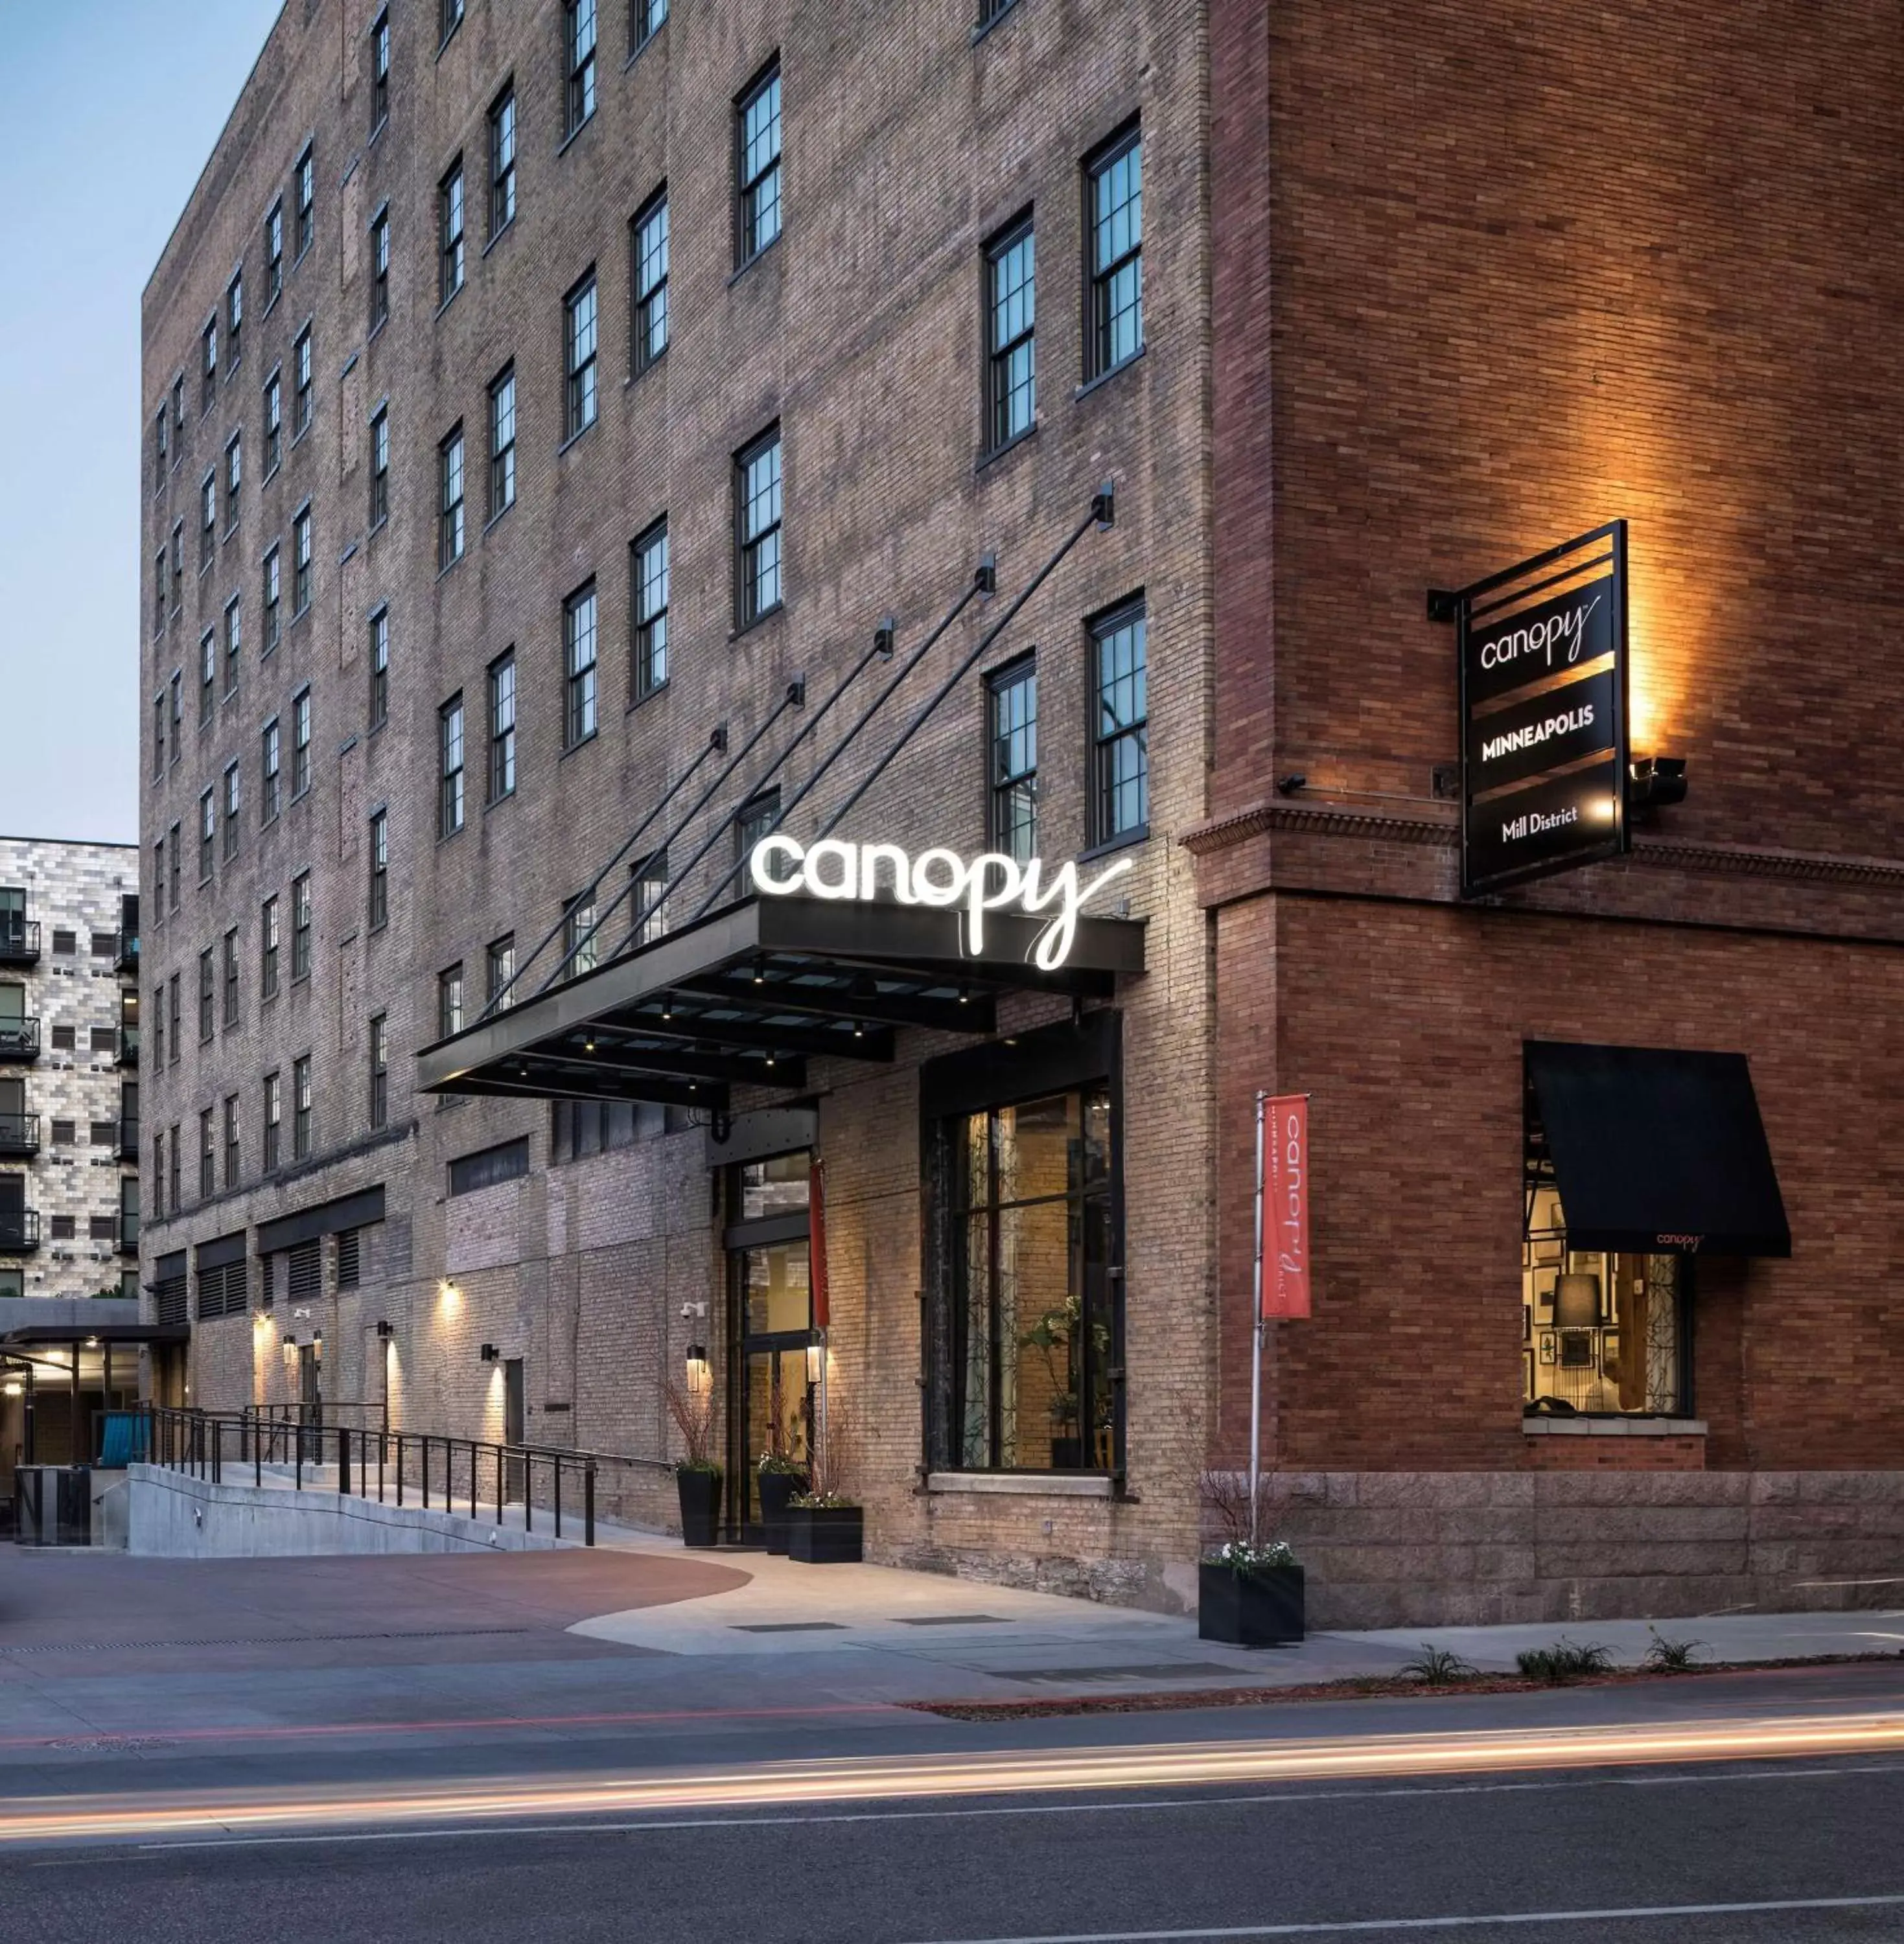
(699, 1377)
(489, 1354)
(290, 1342)
(384, 1330)
(1653, 780)
(816, 1362)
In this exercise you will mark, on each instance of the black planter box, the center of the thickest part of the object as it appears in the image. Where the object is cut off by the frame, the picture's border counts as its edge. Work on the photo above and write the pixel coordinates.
(700, 1507)
(776, 1488)
(1249, 1609)
(826, 1535)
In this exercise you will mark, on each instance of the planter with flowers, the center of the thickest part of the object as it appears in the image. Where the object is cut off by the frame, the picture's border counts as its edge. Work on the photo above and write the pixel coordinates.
(1251, 1595)
(697, 1478)
(825, 1524)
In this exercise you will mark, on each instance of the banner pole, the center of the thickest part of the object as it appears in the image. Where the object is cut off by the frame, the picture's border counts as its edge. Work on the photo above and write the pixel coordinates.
(1255, 1337)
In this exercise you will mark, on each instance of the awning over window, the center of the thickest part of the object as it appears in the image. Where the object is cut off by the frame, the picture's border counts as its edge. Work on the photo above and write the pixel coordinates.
(1655, 1150)
(748, 995)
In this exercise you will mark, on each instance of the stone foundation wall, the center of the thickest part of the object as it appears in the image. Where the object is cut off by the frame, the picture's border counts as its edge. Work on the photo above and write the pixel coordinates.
(1386, 1549)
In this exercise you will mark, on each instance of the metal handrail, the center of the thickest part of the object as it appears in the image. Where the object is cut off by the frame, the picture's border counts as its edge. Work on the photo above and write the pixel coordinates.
(20, 1228)
(20, 940)
(20, 1034)
(19, 1133)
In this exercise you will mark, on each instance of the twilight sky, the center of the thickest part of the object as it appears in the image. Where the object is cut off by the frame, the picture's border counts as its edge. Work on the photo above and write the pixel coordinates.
(111, 108)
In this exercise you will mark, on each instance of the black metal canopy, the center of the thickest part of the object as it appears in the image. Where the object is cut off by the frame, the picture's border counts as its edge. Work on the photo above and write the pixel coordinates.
(747, 996)
(1654, 1150)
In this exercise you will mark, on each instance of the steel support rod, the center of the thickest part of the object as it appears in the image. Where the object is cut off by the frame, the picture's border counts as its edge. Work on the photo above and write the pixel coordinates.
(1255, 1336)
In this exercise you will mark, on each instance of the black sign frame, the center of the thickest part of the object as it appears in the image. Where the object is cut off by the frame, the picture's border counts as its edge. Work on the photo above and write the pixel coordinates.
(1589, 792)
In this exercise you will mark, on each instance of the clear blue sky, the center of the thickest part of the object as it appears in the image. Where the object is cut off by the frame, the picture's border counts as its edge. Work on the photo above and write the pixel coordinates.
(111, 108)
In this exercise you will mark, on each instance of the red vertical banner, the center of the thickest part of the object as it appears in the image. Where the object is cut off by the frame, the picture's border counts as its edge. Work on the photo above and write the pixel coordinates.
(816, 1241)
(1285, 1239)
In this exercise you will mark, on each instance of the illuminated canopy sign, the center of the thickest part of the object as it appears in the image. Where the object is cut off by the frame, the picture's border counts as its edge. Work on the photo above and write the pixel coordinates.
(1543, 713)
(834, 869)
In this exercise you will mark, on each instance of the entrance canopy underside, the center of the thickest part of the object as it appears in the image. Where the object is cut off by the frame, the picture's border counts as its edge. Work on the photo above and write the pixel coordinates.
(748, 996)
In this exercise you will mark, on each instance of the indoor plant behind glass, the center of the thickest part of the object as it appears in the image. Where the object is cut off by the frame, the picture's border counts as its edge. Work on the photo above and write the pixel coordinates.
(1250, 1590)
(779, 1474)
(697, 1477)
(825, 1524)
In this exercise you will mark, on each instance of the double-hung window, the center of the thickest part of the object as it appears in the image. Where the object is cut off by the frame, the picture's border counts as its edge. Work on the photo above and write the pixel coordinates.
(268, 948)
(449, 521)
(274, 422)
(380, 466)
(757, 525)
(644, 19)
(1011, 319)
(300, 560)
(208, 519)
(273, 1111)
(274, 253)
(208, 1156)
(161, 456)
(207, 833)
(233, 1167)
(207, 676)
(1120, 758)
(230, 972)
(206, 1006)
(234, 319)
(449, 233)
(300, 743)
(1114, 204)
(648, 257)
(502, 442)
(273, 612)
(301, 927)
(380, 659)
(379, 268)
(208, 366)
(502, 726)
(449, 744)
(449, 1000)
(301, 385)
(579, 357)
(306, 202)
(379, 1053)
(301, 1108)
(380, 71)
(581, 942)
(500, 961)
(579, 662)
(234, 478)
(234, 643)
(578, 63)
(757, 142)
(268, 774)
(231, 809)
(1012, 705)
(380, 849)
(502, 162)
(650, 916)
(648, 580)
(158, 592)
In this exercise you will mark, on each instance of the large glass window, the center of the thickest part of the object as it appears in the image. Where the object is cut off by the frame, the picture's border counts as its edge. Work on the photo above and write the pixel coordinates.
(1013, 698)
(502, 726)
(757, 166)
(1032, 1323)
(1011, 306)
(449, 233)
(1120, 751)
(578, 655)
(502, 442)
(579, 357)
(649, 578)
(1115, 199)
(379, 661)
(502, 162)
(649, 253)
(578, 62)
(757, 522)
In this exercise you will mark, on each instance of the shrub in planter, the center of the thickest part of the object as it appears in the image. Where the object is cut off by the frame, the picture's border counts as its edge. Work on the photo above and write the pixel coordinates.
(780, 1479)
(700, 1487)
(1250, 1595)
(823, 1530)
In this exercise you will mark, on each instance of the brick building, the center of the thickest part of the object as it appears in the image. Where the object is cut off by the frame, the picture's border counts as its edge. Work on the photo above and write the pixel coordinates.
(69, 1335)
(586, 444)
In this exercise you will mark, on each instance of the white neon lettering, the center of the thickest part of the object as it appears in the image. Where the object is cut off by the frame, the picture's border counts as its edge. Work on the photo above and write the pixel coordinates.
(831, 851)
(872, 856)
(951, 890)
(764, 852)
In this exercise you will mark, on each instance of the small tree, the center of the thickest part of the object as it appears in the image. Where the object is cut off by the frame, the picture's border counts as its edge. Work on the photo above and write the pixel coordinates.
(830, 1469)
(693, 1412)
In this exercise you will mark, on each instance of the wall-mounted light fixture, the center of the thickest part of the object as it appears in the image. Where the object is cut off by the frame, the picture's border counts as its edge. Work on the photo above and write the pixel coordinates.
(13, 1387)
(489, 1354)
(385, 1330)
(447, 1292)
(816, 1362)
(699, 1377)
(1652, 781)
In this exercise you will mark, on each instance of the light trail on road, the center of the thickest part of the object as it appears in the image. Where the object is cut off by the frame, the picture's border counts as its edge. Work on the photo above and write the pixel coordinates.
(976, 1773)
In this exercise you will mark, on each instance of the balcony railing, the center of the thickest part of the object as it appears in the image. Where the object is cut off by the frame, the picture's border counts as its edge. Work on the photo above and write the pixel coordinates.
(129, 1137)
(128, 1046)
(127, 960)
(20, 1133)
(20, 941)
(128, 1231)
(20, 1231)
(20, 1038)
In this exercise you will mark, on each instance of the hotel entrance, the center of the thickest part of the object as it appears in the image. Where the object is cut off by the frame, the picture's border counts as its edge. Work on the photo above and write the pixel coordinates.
(772, 1375)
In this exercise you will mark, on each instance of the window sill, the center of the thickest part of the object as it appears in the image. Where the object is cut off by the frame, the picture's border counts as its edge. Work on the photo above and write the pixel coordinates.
(647, 40)
(496, 236)
(449, 567)
(1586, 1426)
(497, 802)
(490, 523)
(1124, 364)
(641, 701)
(634, 378)
(271, 472)
(376, 330)
(576, 134)
(228, 535)
(985, 27)
(450, 299)
(760, 620)
(271, 303)
(994, 454)
(1023, 1484)
(575, 438)
(376, 526)
(766, 249)
(575, 748)
(1124, 840)
(302, 432)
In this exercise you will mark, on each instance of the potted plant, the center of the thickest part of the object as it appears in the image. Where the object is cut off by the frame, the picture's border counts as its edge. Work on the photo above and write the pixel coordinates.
(1249, 1589)
(1055, 1338)
(779, 1474)
(825, 1524)
(697, 1478)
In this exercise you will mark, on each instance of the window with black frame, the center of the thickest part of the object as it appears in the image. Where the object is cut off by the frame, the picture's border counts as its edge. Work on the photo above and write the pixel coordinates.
(1032, 1322)
(1012, 696)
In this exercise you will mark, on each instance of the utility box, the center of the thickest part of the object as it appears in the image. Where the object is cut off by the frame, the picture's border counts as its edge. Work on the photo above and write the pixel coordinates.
(53, 1505)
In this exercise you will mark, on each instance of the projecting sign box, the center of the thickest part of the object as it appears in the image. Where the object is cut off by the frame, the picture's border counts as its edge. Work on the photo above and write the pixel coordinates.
(1544, 751)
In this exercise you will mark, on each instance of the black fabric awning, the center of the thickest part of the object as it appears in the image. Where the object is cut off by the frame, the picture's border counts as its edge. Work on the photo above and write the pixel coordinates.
(324, 1218)
(748, 995)
(1657, 1150)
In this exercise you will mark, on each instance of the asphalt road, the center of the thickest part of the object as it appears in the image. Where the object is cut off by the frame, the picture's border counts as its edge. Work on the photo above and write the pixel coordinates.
(1541, 1859)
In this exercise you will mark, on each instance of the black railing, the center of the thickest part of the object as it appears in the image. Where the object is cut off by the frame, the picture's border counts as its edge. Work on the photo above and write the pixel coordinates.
(20, 1133)
(19, 940)
(463, 1476)
(19, 1229)
(129, 1137)
(20, 1038)
(128, 1046)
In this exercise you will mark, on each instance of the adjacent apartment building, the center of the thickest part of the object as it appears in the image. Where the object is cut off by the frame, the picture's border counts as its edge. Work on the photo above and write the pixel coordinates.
(69, 1142)
(658, 517)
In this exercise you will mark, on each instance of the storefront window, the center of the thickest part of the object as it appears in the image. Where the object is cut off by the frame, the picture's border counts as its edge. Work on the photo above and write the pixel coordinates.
(1032, 1328)
(1601, 1331)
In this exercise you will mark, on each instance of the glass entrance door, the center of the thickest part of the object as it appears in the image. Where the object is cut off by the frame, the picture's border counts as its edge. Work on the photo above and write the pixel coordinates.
(773, 1297)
